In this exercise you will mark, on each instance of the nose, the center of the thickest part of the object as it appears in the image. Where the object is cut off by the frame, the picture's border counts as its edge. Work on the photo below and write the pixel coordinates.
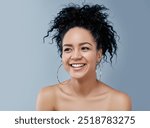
(76, 54)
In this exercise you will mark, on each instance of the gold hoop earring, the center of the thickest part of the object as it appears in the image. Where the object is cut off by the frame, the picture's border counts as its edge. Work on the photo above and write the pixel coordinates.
(58, 72)
(99, 70)
(63, 83)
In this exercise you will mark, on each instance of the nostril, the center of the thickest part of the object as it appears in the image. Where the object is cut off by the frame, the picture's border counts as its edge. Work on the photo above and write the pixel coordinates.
(76, 55)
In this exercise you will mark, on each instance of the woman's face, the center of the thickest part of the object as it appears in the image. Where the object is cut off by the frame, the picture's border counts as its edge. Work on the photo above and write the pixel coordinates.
(79, 53)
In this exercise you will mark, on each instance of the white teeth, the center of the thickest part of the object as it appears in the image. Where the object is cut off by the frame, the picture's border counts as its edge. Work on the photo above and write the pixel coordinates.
(77, 65)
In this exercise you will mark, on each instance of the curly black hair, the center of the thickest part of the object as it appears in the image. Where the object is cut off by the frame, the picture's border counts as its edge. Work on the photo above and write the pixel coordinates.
(90, 17)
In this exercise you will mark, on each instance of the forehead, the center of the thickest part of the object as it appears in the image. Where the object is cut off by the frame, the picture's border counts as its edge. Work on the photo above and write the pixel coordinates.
(77, 35)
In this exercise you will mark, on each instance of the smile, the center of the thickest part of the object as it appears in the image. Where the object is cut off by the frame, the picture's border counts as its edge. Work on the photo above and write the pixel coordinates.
(77, 65)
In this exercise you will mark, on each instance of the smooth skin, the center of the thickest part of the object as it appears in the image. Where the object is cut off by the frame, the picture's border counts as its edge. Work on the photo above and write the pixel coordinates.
(82, 92)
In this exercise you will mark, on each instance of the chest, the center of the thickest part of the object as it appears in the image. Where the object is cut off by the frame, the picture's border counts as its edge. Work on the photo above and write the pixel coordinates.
(70, 103)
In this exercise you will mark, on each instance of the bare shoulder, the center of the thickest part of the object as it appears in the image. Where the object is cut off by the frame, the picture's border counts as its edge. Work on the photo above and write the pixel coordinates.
(46, 98)
(120, 101)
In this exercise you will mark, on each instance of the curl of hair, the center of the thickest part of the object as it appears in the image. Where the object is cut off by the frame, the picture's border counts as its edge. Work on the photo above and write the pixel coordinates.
(92, 18)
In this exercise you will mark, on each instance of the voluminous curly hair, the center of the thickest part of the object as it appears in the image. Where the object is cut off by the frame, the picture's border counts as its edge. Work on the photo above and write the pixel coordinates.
(90, 17)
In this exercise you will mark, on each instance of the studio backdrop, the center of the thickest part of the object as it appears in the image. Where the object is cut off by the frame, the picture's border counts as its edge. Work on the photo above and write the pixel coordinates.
(27, 64)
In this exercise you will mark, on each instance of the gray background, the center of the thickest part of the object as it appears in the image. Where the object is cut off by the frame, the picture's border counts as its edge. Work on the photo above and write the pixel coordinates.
(26, 64)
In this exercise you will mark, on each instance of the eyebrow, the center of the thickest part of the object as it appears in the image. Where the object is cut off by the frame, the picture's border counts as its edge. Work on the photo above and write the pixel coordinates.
(83, 43)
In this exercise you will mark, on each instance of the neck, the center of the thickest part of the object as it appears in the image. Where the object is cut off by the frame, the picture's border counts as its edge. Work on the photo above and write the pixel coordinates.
(84, 87)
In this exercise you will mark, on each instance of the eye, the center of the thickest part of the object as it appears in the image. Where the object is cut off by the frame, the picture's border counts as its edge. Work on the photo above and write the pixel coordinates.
(67, 50)
(85, 49)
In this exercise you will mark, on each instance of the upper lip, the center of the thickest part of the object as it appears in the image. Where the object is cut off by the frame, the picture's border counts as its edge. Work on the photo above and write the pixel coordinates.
(76, 63)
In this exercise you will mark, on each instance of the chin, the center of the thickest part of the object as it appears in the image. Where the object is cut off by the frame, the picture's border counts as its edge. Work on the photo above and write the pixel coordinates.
(79, 76)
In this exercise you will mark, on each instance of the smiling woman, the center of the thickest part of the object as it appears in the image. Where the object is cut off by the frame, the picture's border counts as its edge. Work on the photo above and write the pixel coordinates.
(84, 37)
(79, 54)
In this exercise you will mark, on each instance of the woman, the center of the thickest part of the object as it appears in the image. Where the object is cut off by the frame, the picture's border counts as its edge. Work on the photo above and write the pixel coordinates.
(84, 37)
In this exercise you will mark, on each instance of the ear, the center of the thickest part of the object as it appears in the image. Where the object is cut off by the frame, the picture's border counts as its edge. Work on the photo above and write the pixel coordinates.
(99, 55)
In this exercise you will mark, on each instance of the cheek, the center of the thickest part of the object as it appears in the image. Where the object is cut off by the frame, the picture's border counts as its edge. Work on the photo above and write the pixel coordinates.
(91, 57)
(65, 61)
(65, 58)
(91, 60)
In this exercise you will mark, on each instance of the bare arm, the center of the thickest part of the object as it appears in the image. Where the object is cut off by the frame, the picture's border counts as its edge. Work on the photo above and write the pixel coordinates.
(123, 102)
(46, 99)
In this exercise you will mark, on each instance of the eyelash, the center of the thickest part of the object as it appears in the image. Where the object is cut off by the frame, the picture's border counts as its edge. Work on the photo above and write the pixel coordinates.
(84, 49)
(67, 50)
